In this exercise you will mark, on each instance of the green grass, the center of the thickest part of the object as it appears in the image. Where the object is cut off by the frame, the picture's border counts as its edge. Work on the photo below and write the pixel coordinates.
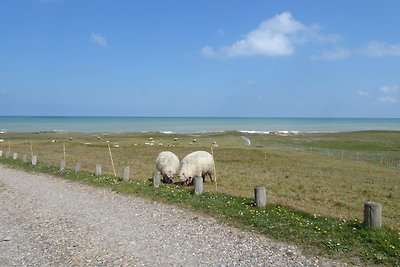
(367, 141)
(342, 239)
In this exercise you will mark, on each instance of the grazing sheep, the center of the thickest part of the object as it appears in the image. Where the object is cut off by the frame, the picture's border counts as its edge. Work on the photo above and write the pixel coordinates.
(198, 163)
(167, 164)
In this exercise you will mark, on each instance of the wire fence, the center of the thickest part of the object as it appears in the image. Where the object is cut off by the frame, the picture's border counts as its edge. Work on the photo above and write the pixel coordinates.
(384, 159)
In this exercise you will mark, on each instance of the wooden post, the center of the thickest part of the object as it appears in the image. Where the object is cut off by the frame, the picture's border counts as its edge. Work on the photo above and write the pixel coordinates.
(125, 173)
(34, 160)
(62, 165)
(260, 195)
(15, 156)
(98, 169)
(30, 144)
(156, 179)
(77, 167)
(198, 185)
(64, 151)
(25, 158)
(373, 215)
(112, 161)
(215, 171)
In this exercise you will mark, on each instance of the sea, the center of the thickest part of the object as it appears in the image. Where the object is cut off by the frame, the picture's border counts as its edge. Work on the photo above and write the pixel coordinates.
(193, 124)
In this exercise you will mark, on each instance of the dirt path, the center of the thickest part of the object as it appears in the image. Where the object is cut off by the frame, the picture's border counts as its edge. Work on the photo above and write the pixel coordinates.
(47, 221)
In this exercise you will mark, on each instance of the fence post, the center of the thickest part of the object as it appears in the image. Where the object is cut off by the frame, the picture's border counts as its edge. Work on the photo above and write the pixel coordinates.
(34, 160)
(1, 153)
(98, 169)
(156, 179)
(77, 167)
(373, 215)
(15, 156)
(198, 185)
(125, 173)
(63, 164)
(260, 195)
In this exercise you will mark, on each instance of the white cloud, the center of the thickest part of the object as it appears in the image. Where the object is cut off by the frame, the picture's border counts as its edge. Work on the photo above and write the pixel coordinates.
(271, 38)
(388, 89)
(334, 54)
(276, 36)
(362, 93)
(387, 100)
(99, 39)
(208, 51)
(388, 94)
(380, 49)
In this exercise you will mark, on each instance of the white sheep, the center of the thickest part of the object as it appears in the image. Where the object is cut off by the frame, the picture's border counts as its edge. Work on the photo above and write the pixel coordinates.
(198, 163)
(167, 164)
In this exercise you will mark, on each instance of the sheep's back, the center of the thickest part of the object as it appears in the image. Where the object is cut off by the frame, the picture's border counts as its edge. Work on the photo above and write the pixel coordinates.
(167, 159)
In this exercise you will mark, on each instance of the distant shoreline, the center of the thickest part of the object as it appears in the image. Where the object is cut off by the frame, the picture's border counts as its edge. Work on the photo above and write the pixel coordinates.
(191, 125)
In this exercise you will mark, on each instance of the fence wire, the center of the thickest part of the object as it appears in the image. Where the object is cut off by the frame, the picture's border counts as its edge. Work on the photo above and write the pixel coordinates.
(384, 159)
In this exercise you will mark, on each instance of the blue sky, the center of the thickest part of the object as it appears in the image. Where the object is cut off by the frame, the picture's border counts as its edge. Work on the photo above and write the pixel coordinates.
(263, 58)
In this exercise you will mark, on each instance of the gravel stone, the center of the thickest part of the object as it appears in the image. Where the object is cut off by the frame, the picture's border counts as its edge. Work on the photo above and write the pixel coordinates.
(48, 221)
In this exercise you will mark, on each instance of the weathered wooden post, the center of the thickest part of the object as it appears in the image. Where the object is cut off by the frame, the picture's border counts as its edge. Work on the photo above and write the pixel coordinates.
(1, 153)
(77, 167)
(198, 185)
(34, 160)
(98, 169)
(260, 195)
(25, 158)
(156, 179)
(125, 173)
(63, 164)
(15, 156)
(373, 215)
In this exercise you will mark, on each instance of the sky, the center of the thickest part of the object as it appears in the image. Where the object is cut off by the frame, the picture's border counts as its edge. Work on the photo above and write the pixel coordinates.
(208, 58)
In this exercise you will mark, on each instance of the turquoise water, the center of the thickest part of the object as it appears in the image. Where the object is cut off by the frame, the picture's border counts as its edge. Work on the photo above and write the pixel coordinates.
(192, 125)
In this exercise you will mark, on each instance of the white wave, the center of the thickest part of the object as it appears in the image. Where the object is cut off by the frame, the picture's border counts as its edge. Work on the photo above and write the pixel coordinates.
(256, 132)
(166, 132)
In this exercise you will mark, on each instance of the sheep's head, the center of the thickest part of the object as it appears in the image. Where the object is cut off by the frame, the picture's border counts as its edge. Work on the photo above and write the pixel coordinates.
(185, 179)
(168, 177)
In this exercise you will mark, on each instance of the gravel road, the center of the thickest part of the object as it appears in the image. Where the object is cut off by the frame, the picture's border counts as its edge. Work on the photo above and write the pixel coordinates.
(47, 221)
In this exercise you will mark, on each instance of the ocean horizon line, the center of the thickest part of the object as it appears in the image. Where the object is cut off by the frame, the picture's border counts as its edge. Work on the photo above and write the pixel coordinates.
(193, 117)
(192, 124)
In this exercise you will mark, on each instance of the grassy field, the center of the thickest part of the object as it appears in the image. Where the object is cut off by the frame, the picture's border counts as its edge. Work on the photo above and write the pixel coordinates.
(309, 182)
(307, 192)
